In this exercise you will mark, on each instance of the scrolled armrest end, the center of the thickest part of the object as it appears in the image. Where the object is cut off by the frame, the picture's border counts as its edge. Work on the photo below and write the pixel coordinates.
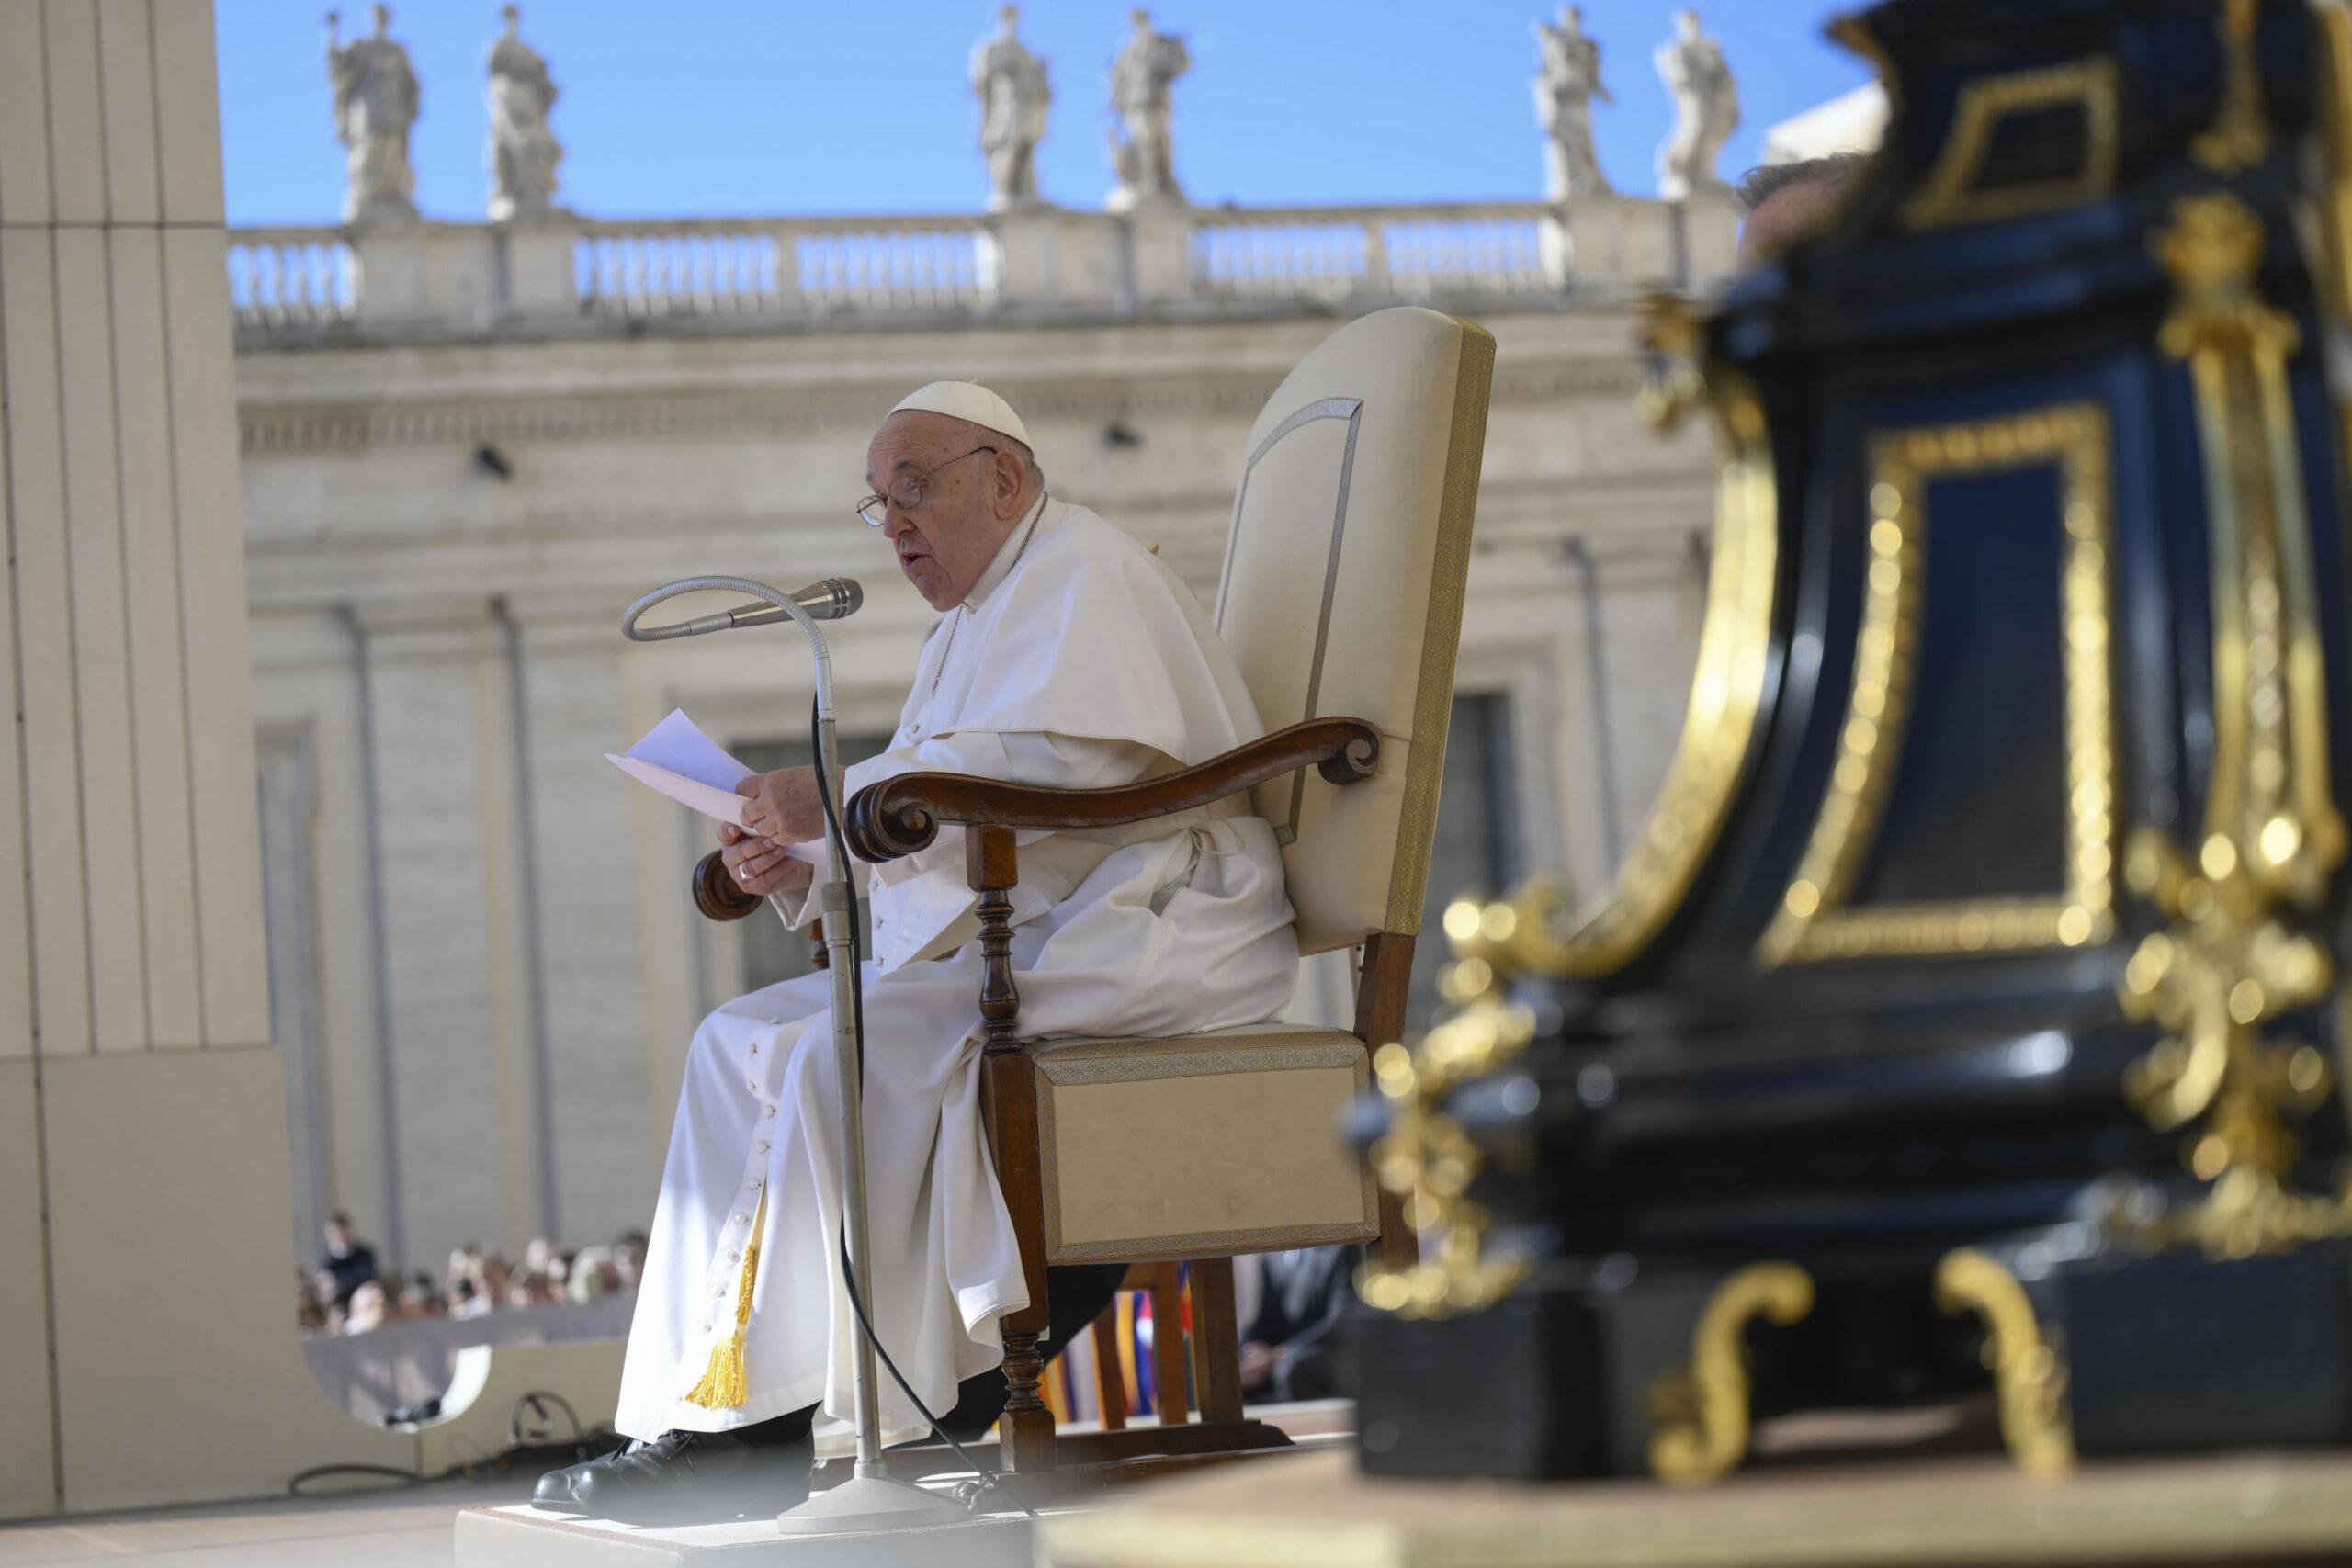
(880, 830)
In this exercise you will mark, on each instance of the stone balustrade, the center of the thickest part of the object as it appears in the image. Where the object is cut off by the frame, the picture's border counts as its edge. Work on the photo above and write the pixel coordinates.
(427, 279)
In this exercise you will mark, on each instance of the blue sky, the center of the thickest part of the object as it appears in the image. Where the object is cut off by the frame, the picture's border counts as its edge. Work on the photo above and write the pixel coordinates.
(710, 107)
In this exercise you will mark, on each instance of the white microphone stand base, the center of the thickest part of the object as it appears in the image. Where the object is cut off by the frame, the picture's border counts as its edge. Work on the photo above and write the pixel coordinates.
(871, 1503)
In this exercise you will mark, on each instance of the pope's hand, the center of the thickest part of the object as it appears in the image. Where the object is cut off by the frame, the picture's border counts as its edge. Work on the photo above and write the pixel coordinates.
(783, 805)
(759, 865)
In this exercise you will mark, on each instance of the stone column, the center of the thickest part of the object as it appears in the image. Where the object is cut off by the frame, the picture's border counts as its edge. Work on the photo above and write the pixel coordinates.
(148, 1352)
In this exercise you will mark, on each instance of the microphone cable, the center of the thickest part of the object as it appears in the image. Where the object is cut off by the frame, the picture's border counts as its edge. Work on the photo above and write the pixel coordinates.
(857, 1015)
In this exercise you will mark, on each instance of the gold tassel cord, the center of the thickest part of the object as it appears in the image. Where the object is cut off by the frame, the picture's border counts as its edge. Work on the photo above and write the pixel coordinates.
(724, 1384)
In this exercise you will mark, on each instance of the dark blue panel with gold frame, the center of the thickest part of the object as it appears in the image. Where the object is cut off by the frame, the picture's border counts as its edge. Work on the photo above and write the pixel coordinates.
(1978, 974)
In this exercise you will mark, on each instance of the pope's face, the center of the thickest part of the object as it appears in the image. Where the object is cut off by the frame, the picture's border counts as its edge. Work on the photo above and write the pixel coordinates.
(970, 503)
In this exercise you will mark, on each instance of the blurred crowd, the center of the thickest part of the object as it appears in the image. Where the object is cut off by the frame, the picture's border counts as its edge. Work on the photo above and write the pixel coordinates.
(348, 1292)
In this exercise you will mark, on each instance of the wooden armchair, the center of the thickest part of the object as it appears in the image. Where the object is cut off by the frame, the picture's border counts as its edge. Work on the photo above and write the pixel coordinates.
(1356, 499)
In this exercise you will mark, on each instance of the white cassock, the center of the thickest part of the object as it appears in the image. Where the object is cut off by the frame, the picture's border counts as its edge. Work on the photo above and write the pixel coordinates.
(1078, 661)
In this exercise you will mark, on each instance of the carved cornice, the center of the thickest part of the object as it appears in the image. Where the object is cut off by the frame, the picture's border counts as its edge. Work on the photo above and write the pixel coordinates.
(390, 423)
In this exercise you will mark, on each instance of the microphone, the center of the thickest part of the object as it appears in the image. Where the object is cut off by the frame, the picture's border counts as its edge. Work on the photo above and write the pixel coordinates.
(828, 599)
(834, 599)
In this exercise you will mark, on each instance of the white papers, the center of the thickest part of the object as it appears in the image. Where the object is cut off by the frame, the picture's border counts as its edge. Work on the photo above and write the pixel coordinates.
(677, 758)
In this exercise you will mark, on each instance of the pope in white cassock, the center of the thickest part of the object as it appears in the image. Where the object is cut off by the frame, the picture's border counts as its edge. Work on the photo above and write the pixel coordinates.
(1066, 655)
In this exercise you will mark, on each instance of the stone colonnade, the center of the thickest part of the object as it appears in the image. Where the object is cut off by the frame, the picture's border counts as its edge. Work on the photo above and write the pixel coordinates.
(145, 1348)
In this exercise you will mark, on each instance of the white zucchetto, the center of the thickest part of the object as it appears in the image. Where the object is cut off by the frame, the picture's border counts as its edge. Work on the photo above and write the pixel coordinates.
(968, 401)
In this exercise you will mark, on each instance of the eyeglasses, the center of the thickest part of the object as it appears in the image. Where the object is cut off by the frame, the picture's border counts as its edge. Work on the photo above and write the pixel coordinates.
(908, 496)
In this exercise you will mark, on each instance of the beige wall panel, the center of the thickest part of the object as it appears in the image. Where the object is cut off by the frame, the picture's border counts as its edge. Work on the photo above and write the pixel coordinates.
(28, 1445)
(219, 654)
(76, 136)
(305, 676)
(44, 639)
(16, 927)
(179, 1371)
(24, 115)
(438, 952)
(127, 71)
(601, 1100)
(187, 110)
(110, 846)
(167, 878)
(513, 1020)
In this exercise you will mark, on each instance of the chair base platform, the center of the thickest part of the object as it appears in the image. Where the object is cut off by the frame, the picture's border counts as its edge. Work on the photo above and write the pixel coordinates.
(525, 1537)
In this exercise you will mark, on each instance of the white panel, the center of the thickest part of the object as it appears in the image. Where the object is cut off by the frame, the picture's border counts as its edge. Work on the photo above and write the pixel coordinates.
(24, 116)
(187, 108)
(16, 928)
(127, 71)
(44, 640)
(219, 654)
(76, 138)
(27, 1455)
(166, 874)
(179, 1370)
(110, 851)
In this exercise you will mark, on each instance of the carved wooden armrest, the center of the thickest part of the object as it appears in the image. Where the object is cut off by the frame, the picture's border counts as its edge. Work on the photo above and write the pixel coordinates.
(899, 815)
(717, 894)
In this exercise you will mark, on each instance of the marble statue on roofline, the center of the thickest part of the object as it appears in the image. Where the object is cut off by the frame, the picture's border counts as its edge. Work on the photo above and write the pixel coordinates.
(374, 103)
(1142, 151)
(1014, 94)
(1706, 109)
(523, 152)
(1567, 80)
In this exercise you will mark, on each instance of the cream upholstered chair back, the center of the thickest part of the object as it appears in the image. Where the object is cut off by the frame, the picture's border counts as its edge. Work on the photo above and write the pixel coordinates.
(1343, 598)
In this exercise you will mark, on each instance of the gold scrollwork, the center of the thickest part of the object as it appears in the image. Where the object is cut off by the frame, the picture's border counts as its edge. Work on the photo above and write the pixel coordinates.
(2239, 137)
(2333, 18)
(2028, 1379)
(1950, 194)
(1813, 922)
(2232, 956)
(1699, 1415)
(1428, 1160)
(1727, 693)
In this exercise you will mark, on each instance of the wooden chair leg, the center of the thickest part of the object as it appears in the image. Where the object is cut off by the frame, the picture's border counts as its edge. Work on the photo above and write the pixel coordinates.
(1381, 989)
(1216, 1339)
(1109, 1384)
(1168, 1343)
(1025, 1430)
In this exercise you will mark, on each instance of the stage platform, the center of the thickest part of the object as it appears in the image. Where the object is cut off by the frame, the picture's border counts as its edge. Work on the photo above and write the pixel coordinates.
(519, 1536)
(523, 1537)
(1975, 1511)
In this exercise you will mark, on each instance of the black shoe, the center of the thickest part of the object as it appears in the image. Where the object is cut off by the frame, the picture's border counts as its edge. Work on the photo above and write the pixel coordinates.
(693, 1478)
(554, 1491)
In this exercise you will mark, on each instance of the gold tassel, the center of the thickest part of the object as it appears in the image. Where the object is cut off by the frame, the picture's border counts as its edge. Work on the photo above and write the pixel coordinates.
(724, 1385)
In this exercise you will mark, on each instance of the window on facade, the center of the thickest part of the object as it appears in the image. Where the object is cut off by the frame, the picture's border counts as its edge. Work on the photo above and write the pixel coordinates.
(1475, 850)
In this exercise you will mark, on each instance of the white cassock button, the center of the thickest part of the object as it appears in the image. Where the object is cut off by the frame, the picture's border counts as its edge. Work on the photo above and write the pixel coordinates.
(755, 1047)
(773, 1021)
(751, 1186)
(767, 1111)
(718, 1290)
(707, 1327)
(752, 1084)
(740, 1217)
(761, 1147)
(732, 1255)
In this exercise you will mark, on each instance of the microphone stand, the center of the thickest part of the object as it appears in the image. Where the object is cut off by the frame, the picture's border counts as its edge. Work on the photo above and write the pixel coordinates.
(870, 1499)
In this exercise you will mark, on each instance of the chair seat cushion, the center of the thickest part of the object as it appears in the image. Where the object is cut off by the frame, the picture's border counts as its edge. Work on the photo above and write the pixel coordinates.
(1201, 1146)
